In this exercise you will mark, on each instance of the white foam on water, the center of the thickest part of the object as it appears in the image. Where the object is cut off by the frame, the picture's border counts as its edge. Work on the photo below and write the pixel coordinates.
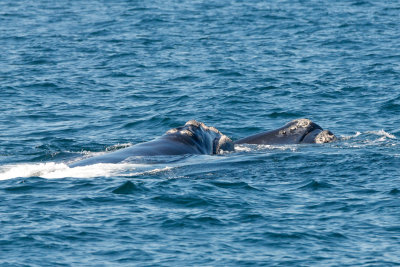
(52, 170)
(242, 148)
(250, 148)
(154, 171)
(371, 138)
(29, 170)
(383, 134)
(348, 137)
(291, 147)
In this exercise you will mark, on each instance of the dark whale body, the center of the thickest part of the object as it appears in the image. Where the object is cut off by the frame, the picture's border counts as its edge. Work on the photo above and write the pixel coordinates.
(300, 131)
(197, 138)
(192, 138)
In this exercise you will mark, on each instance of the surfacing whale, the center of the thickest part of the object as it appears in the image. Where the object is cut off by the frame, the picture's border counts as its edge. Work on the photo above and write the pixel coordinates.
(197, 138)
(300, 131)
(192, 138)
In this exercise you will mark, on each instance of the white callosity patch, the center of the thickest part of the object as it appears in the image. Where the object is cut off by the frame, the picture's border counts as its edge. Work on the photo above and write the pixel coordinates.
(224, 144)
(172, 131)
(186, 132)
(325, 137)
(202, 125)
(296, 124)
(302, 123)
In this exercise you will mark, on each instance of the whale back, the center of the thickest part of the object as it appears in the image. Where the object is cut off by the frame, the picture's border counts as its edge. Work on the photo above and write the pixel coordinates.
(205, 139)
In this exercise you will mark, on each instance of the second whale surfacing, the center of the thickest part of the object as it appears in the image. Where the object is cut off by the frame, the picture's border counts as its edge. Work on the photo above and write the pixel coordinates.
(197, 138)
(300, 131)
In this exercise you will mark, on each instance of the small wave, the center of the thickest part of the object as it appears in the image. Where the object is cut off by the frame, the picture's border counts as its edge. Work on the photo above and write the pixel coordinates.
(315, 185)
(233, 185)
(383, 134)
(348, 137)
(129, 188)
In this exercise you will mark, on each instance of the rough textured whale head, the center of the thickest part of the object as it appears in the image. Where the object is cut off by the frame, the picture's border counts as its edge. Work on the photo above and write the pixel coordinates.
(207, 140)
(306, 131)
(325, 136)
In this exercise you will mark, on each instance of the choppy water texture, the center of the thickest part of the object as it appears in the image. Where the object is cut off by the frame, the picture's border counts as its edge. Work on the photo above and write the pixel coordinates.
(79, 78)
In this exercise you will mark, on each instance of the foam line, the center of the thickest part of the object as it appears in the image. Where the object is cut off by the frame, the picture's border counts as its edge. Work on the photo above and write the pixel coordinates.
(52, 170)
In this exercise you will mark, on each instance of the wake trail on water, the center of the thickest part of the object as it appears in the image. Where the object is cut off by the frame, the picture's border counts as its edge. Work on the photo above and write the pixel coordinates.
(52, 170)
(382, 136)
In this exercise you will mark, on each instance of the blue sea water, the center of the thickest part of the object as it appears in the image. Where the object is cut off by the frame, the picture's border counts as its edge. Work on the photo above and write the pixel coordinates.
(82, 78)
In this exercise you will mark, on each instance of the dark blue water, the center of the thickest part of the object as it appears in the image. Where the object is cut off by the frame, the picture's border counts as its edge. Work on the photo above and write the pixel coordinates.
(80, 78)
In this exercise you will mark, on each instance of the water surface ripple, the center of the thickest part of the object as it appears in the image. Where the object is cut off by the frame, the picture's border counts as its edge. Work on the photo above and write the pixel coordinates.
(81, 78)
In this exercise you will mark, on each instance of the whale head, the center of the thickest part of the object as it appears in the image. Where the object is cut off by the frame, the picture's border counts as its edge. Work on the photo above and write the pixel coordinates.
(207, 140)
(300, 131)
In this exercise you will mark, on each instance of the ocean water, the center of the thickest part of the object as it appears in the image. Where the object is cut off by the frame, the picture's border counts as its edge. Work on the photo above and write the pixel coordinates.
(83, 78)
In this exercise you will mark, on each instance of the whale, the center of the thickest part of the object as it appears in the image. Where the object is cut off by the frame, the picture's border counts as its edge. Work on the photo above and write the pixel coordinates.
(197, 138)
(300, 131)
(192, 138)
